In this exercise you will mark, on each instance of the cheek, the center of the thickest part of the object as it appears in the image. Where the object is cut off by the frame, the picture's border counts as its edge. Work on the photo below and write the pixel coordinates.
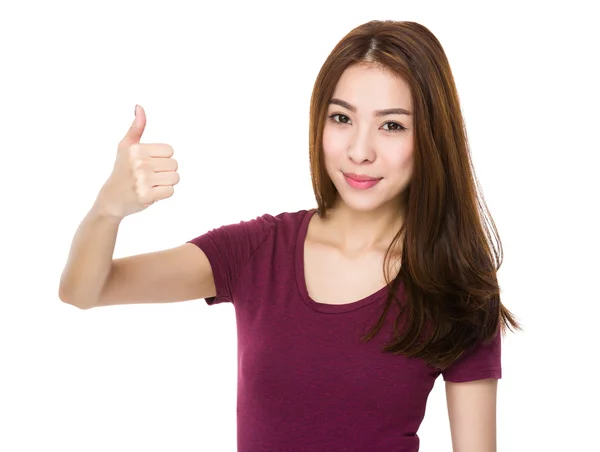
(333, 143)
(398, 159)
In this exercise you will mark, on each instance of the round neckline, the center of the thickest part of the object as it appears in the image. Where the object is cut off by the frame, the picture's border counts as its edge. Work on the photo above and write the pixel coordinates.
(301, 278)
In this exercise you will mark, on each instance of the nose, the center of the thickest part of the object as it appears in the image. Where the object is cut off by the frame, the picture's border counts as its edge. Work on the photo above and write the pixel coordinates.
(361, 148)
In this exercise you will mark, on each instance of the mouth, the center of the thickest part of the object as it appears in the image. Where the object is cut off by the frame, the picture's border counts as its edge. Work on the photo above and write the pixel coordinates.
(361, 177)
(361, 181)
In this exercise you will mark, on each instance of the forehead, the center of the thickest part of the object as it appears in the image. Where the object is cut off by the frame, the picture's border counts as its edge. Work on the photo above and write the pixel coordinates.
(370, 87)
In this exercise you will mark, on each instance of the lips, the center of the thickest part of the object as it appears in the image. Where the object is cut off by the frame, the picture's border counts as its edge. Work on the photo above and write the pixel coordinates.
(361, 177)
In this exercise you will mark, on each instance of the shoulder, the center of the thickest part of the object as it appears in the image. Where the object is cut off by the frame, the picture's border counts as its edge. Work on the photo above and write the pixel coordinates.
(257, 229)
(289, 218)
(279, 230)
(290, 224)
(483, 360)
(285, 217)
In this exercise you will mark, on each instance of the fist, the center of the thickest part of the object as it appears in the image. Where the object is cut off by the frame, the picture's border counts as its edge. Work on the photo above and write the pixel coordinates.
(142, 174)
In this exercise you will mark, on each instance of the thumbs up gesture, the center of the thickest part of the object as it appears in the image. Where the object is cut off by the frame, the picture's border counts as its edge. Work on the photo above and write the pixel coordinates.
(142, 174)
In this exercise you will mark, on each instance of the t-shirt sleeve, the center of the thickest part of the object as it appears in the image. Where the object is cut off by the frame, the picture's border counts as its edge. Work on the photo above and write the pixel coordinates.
(228, 248)
(482, 361)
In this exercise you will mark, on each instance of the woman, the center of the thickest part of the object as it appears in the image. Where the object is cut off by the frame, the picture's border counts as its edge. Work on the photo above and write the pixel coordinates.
(346, 313)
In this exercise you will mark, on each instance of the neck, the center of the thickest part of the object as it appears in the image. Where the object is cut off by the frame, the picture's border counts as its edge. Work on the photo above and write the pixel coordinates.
(357, 231)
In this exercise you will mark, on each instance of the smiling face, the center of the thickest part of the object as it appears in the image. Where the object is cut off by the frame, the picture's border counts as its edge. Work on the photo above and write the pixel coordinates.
(369, 133)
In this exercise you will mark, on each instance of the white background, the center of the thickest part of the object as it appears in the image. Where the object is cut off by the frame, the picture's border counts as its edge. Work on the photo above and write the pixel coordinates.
(228, 86)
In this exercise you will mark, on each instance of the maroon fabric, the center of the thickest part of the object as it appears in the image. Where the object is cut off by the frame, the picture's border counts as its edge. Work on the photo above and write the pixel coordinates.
(305, 380)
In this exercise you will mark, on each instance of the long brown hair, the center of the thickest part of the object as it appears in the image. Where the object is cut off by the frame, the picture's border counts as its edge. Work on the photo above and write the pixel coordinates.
(449, 261)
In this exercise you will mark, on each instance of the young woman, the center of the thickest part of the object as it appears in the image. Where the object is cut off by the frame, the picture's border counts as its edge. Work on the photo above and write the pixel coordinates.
(346, 313)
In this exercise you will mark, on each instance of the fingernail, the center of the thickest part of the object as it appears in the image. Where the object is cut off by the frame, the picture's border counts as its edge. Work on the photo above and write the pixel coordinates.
(135, 110)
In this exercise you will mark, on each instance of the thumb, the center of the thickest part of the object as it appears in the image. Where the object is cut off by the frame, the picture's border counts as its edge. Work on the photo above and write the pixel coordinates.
(134, 134)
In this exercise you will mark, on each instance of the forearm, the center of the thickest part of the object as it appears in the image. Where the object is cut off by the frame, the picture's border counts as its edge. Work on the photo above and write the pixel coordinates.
(90, 259)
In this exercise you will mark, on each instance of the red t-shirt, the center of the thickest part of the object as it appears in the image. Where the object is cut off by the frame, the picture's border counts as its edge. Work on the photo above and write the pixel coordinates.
(306, 382)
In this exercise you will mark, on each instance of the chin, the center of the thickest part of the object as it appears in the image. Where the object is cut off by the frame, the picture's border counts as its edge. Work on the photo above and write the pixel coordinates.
(362, 202)
(363, 205)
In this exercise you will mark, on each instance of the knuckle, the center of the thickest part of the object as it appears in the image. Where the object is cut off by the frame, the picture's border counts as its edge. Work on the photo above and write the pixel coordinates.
(136, 163)
(135, 150)
(141, 192)
(141, 165)
(142, 188)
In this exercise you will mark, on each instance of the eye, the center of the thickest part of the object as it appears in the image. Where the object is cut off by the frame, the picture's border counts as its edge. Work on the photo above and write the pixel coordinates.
(343, 119)
(396, 127)
(341, 116)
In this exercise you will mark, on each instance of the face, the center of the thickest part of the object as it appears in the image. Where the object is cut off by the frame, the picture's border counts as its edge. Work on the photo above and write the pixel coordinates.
(360, 141)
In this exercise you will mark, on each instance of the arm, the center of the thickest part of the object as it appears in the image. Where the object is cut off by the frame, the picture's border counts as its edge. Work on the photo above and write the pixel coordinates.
(142, 175)
(93, 278)
(472, 415)
(90, 259)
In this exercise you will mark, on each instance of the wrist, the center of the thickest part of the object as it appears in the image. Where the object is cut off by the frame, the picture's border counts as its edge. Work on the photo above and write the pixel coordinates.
(104, 212)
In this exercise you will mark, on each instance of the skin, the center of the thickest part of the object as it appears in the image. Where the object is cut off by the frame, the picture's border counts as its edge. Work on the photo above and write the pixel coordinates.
(355, 235)
(359, 142)
(352, 240)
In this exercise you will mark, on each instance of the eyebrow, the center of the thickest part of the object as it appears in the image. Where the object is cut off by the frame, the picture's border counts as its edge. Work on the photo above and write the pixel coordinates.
(387, 111)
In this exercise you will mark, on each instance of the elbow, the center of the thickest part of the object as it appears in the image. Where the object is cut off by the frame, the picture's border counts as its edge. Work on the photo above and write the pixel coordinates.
(67, 297)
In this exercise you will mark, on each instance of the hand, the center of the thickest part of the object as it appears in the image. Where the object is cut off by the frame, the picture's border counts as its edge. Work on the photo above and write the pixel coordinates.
(142, 174)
